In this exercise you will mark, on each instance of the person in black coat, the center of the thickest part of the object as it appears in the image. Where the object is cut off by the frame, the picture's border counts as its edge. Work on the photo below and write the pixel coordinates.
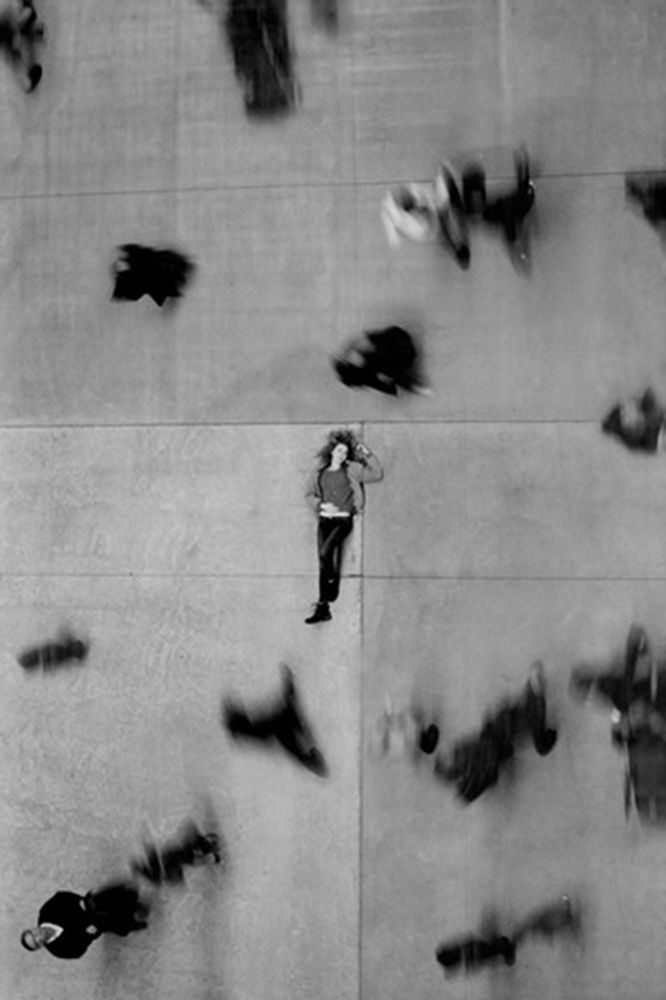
(507, 211)
(283, 722)
(68, 923)
(139, 271)
(52, 654)
(474, 763)
(386, 360)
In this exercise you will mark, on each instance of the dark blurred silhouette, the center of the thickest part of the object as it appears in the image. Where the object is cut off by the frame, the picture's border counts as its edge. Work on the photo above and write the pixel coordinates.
(507, 211)
(618, 688)
(139, 271)
(68, 923)
(472, 952)
(20, 33)
(386, 360)
(52, 654)
(164, 864)
(638, 423)
(473, 764)
(283, 722)
(649, 192)
(259, 39)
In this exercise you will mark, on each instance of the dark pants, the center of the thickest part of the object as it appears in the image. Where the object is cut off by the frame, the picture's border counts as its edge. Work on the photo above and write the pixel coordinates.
(283, 722)
(166, 863)
(473, 953)
(117, 908)
(331, 535)
(476, 761)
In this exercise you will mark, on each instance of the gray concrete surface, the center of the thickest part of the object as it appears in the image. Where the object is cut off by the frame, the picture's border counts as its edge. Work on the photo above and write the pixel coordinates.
(152, 468)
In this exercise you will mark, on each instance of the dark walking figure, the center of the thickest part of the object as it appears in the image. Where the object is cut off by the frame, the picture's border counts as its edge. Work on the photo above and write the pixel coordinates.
(473, 952)
(638, 423)
(20, 33)
(52, 654)
(508, 211)
(165, 864)
(283, 722)
(68, 923)
(649, 192)
(336, 493)
(386, 360)
(259, 39)
(474, 763)
(139, 271)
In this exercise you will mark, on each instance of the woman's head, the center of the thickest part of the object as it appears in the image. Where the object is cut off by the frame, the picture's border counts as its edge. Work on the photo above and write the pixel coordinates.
(336, 442)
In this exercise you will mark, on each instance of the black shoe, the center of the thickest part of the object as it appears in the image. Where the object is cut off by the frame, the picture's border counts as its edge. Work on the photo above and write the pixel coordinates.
(314, 761)
(428, 739)
(34, 76)
(544, 742)
(321, 613)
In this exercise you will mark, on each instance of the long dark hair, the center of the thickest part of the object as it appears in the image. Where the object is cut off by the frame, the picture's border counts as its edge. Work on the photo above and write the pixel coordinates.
(342, 436)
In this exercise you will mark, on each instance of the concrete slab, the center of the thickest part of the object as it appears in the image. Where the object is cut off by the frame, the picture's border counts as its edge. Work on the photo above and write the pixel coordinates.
(430, 866)
(162, 500)
(130, 740)
(514, 500)
(449, 76)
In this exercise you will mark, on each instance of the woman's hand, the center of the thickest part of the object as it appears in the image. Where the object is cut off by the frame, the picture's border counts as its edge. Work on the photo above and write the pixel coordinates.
(326, 507)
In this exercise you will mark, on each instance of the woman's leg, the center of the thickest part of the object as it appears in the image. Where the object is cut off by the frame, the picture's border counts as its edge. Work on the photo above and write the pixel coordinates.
(332, 534)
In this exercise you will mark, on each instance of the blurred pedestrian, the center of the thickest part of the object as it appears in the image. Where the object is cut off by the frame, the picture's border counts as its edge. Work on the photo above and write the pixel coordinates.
(336, 494)
(52, 654)
(20, 33)
(283, 722)
(638, 423)
(68, 922)
(648, 191)
(139, 271)
(428, 213)
(165, 863)
(507, 211)
(386, 360)
(474, 763)
(258, 35)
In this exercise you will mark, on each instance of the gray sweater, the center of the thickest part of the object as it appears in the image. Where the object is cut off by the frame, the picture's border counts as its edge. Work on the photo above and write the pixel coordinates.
(368, 470)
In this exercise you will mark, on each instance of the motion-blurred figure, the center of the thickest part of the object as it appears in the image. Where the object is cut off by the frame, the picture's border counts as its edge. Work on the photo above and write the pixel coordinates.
(471, 953)
(68, 923)
(473, 764)
(20, 33)
(427, 213)
(649, 192)
(139, 270)
(638, 423)
(283, 722)
(52, 654)
(507, 211)
(386, 360)
(164, 864)
(637, 695)
(259, 39)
